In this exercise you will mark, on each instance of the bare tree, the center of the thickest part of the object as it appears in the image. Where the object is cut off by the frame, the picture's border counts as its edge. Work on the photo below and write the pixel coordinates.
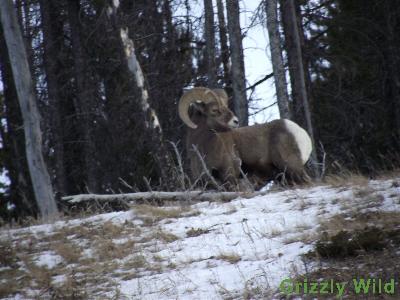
(223, 40)
(151, 122)
(291, 50)
(30, 113)
(240, 103)
(210, 43)
(52, 36)
(83, 104)
(13, 141)
(293, 38)
(277, 59)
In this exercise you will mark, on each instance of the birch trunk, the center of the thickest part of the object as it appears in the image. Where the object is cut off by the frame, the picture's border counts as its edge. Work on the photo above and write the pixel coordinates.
(151, 122)
(277, 59)
(223, 42)
(237, 62)
(30, 113)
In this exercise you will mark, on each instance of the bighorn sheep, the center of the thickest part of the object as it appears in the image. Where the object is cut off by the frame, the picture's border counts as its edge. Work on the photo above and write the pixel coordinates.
(280, 145)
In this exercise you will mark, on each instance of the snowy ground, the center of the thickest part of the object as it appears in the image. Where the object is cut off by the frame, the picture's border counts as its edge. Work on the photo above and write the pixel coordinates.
(240, 249)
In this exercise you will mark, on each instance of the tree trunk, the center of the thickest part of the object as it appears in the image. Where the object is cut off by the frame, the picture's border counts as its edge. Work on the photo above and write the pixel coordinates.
(223, 42)
(277, 59)
(151, 123)
(210, 43)
(30, 113)
(84, 105)
(237, 68)
(290, 47)
(297, 72)
(51, 49)
(20, 190)
(393, 65)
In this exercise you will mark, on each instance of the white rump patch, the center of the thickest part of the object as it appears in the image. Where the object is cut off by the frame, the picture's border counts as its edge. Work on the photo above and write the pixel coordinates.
(302, 138)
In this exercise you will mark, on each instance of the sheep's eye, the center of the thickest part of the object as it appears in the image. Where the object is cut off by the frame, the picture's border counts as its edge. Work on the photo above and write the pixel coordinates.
(215, 111)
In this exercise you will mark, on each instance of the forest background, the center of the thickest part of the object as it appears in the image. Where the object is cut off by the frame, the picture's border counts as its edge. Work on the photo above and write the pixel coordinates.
(102, 134)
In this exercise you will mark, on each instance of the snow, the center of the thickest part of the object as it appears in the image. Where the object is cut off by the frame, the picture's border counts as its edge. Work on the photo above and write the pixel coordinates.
(48, 259)
(242, 245)
(248, 233)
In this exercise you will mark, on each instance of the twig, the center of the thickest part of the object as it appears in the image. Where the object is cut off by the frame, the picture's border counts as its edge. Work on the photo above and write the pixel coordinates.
(147, 182)
(180, 166)
(126, 184)
(262, 109)
(266, 77)
(206, 171)
(248, 183)
(323, 163)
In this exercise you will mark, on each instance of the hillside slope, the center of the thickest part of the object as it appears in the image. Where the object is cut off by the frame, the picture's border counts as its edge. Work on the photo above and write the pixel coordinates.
(240, 249)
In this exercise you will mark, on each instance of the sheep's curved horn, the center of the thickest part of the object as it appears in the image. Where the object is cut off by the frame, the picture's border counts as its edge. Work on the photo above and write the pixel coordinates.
(202, 94)
(222, 95)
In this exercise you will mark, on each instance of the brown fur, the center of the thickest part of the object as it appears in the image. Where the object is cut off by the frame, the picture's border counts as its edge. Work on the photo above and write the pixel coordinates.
(272, 150)
(213, 138)
(262, 150)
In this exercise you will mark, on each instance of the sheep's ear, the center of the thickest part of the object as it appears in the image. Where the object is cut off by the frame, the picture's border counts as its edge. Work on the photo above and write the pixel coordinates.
(199, 106)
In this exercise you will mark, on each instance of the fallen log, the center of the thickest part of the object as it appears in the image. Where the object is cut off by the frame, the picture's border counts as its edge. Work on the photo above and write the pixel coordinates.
(160, 196)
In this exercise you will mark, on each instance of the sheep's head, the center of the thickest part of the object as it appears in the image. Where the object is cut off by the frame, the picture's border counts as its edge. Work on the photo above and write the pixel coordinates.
(211, 105)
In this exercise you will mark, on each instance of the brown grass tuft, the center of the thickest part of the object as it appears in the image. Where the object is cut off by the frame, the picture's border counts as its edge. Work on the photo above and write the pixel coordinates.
(137, 262)
(152, 214)
(106, 249)
(229, 257)
(165, 236)
(192, 232)
(346, 179)
(68, 251)
(8, 255)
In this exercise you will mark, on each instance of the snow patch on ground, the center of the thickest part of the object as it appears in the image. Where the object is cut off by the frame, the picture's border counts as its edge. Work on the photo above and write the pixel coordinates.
(48, 259)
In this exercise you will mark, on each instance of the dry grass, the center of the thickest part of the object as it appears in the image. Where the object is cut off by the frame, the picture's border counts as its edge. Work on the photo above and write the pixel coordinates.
(354, 245)
(111, 230)
(373, 264)
(356, 221)
(39, 276)
(164, 236)
(19, 252)
(386, 175)
(193, 232)
(138, 261)
(151, 215)
(71, 288)
(87, 231)
(8, 255)
(107, 249)
(232, 258)
(272, 233)
(306, 238)
(68, 251)
(346, 179)
(10, 287)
